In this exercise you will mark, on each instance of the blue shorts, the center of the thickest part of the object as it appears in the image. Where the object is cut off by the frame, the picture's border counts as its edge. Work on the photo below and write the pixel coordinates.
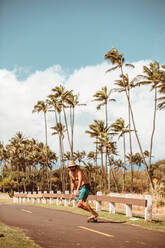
(83, 192)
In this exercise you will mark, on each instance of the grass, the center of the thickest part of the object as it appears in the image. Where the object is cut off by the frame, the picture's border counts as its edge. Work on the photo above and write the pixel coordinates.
(11, 238)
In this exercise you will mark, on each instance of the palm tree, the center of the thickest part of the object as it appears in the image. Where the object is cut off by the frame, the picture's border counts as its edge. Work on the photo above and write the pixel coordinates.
(118, 60)
(119, 127)
(42, 106)
(61, 96)
(103, 97)
(125, 85)
(94, 133)
(99, 130)
(111, 151)
(114, 164)
(54, 100)
(152, 76)
(80, 157)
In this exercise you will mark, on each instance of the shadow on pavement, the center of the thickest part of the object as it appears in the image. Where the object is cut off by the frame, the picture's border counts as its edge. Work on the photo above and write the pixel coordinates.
(108, 221)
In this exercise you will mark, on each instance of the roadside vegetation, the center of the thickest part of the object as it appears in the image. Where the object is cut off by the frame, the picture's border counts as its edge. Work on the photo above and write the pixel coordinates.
(11, 238)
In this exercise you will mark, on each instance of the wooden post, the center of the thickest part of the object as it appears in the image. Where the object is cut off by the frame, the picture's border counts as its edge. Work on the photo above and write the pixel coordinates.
(44, 199)
(51, 200)
(38, 199)
(15, 199)
(148, 208)
(74, 201)
(98, 203)
(20, 198)
(112, 205)
(66, 201)
(128, 207)
(28, 199)
(58, 200)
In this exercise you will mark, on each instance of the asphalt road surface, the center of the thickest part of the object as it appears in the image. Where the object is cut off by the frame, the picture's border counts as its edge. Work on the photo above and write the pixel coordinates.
(58, 229)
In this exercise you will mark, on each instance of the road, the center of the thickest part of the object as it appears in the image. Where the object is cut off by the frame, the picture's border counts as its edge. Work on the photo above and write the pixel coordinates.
(58, 229)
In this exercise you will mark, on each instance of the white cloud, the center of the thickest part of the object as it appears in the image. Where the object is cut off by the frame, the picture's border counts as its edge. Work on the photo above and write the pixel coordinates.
(19, 97)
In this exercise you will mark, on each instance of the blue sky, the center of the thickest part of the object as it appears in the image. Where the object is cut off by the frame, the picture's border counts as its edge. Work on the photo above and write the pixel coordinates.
(36, 34)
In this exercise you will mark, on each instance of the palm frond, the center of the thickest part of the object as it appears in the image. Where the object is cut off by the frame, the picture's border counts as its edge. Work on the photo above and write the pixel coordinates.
(143, 83)
(130, 65)
(113, 68)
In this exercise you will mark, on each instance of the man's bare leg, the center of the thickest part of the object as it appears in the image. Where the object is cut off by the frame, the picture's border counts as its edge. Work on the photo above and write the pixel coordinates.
(85, 206)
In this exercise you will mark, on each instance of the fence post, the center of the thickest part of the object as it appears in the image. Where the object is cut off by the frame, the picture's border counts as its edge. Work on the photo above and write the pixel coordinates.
(15, 199)
(98, 203)
(20, 198)
(148, 208)
(33, 199)
(29, 198)
(128, 207)
(58, 200)
(43, 200)
(74, 201)
(112, 205)
(66, 201)
(51, 200)
(38, 199)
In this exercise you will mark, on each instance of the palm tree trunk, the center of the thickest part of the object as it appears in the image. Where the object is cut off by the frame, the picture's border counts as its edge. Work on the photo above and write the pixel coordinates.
(96, 153)
(153, 130)
(115, 181)
(72, 129)
(67, 129)
(124, 164)
(130, 143)
(106, 151)
(102, 160)
(46, 143)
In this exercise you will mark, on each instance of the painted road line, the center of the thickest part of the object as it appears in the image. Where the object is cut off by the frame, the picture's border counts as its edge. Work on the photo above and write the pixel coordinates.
(26, 211)
(92, 230)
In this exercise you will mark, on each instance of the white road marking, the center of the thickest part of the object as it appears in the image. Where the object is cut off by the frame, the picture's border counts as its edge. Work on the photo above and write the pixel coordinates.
(26, 211)
(92, 230)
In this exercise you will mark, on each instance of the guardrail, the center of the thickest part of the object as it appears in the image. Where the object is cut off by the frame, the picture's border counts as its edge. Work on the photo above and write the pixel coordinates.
(112, 199)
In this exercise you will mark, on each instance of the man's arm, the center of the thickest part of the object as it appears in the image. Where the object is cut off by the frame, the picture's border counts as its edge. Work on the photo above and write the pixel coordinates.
(79, 181)
(71, 184)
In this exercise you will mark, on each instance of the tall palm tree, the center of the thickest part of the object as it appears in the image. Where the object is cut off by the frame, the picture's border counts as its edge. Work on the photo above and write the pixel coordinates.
(59, 129)
(125, 85)
(80, 157)
(42, 106)
(119, 127)
(72, 101)
(118, 60)
(111, 151)
(94, 133)
(61, 95)
(98, 130)
(103, 96)
(152, 76)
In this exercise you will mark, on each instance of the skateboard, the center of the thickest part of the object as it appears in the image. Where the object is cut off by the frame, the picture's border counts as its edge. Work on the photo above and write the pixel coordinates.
(92, 220)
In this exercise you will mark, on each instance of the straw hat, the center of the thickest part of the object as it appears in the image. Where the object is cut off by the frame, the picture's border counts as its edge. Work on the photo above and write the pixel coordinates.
(71, 164)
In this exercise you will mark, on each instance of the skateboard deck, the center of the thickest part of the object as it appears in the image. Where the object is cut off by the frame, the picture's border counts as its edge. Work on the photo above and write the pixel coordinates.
(93, 220)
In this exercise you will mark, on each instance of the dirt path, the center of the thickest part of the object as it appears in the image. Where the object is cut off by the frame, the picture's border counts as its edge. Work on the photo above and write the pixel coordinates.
(58, 229)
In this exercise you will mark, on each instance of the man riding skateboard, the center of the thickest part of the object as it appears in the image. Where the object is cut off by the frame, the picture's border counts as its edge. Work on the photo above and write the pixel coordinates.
(77, 178)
